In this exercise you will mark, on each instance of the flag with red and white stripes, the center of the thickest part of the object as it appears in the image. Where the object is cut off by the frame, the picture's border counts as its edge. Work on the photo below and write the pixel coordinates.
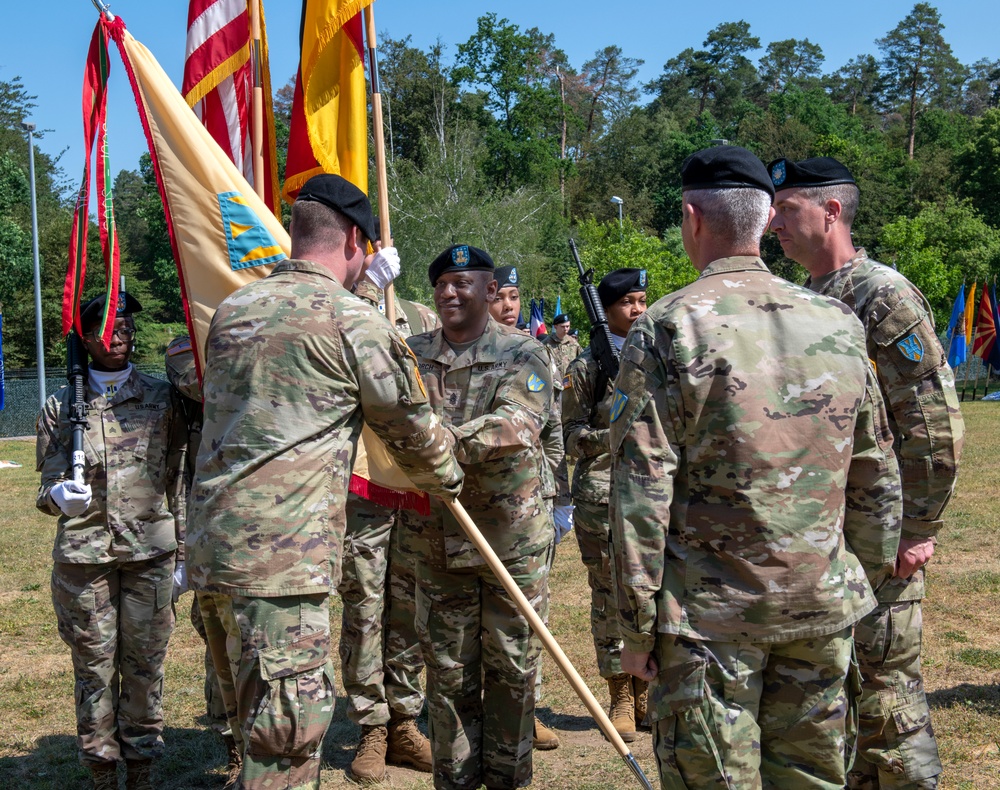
(218, 84)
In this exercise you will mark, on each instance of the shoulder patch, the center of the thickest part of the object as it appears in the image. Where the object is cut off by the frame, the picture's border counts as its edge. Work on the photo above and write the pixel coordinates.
(618, 404)
(535, 384)
(911, 347)
(179, 346)
(567, 382)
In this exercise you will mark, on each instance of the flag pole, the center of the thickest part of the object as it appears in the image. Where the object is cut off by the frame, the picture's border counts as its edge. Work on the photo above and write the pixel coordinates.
(385, 229)
(257, 140)
(551, 645)
(104, 10)
(975, 337)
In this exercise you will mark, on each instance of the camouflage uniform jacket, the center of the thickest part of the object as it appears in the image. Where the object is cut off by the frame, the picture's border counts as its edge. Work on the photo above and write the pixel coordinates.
(295, 363)
(754, 480)
(412, 318)
(914, 376)
(495, 397)
(585, 428)
(563, 351)
(134, 446)
(183, 375)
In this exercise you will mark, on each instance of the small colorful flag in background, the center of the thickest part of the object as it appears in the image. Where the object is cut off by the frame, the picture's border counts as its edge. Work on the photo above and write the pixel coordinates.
(970, 315)
(993, 358)
(986, 331)
(537, 318)
(558, 306)
(329, 126)
(957, 348)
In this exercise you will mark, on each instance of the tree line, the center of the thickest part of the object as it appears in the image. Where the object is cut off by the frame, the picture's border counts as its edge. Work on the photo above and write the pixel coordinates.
(505, 144)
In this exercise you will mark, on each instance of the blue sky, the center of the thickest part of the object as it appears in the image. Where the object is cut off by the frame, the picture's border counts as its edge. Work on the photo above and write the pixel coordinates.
(46, 43)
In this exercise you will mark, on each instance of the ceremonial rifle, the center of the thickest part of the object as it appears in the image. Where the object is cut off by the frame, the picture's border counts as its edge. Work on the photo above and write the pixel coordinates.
(601, 344)
(76, 372)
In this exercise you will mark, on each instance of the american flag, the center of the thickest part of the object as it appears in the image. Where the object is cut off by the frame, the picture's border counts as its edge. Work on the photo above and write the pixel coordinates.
(218, 84)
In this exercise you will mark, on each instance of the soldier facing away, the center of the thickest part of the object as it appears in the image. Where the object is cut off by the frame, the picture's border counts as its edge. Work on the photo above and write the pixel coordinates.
(815, 204)
(295, 364)
(587, 396)
(116, 540)
(492, 388)
(754, 503)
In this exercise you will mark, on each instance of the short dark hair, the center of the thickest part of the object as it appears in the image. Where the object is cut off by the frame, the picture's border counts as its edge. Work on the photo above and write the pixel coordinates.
(845, 194)
(316, 225)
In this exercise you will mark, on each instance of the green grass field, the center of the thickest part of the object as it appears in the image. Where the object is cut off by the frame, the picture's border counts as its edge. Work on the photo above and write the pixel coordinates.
(37, 729)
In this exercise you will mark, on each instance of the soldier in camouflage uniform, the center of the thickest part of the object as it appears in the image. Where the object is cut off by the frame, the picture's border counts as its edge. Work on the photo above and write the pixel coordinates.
(492, 387)
(755, 502)
(220, 693)
(815, 205)
(506, 311)
(113, 577)
(587, 393)
(379, 649)
(561, 344)
(295, 365)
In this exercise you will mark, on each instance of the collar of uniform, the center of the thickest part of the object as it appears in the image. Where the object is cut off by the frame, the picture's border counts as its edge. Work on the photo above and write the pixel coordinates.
(735, 263)
(484, 350)
(296, 265)
(822, 284)
(131, 388)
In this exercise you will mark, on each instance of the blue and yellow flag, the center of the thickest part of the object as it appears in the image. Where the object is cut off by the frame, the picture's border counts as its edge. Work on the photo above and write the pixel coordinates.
(957, 346)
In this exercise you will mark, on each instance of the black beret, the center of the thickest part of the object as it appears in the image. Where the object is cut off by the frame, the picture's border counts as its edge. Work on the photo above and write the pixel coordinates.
(342, 196)
(92, 312)
(562, 318)
(725, 167)
(506, 277)
(460, 257)
(620, 282)
(820, 171)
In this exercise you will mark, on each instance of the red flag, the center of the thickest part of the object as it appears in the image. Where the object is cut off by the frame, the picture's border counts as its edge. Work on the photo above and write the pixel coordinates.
(95, 129)
(218, 85)
(986, 333)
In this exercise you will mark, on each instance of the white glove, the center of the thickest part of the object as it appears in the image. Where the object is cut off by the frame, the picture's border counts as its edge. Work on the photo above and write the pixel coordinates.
(384, 267)
(564, 520)
(180, 579)
(71, 498)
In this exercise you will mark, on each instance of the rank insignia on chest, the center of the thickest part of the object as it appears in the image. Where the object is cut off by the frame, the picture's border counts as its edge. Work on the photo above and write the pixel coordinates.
(911, 347)
(618, 404)
(535, 384)
(567, 381)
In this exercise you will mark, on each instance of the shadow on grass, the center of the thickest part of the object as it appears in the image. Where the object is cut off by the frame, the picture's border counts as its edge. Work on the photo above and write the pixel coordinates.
(983, 699)
(565, 721)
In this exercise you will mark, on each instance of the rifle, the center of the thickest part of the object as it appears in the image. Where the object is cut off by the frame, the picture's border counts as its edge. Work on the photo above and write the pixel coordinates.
(603, 347)
(76, 372)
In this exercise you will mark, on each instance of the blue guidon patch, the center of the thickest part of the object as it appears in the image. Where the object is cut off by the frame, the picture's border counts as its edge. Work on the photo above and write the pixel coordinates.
(911, 347)
(642, 278)
(618, 404)
(460, 255)
(248, 241)
(778, 173)
(535, 384)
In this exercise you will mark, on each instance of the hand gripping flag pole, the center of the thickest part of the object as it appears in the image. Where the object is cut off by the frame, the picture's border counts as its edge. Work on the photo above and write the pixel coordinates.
(551, 645)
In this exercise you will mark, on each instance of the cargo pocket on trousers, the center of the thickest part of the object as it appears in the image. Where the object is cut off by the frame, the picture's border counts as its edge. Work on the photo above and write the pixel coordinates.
(852, 688)
(294, 714)
(915, 745)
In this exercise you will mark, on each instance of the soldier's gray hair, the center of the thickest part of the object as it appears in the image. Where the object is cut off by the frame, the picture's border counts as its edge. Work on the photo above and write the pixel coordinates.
(845, 194)
(315, 225)
(736, 216)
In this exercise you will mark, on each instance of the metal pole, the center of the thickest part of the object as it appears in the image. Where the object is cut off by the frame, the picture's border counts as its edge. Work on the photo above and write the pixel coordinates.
(620, 226)
(39, 340)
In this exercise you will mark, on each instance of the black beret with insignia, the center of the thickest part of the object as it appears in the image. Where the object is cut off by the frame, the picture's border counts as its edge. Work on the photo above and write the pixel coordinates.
(820, 171)
(92, 312)
(506, 277)
(620, 282)
(562, 318)
(342, 196)
(460, 257)
(725, 167)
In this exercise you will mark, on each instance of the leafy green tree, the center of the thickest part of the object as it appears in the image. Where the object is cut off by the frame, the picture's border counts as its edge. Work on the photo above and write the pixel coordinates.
(791, 63)
(982, 91)
(918, 66)
(857, 83)
(979, 167)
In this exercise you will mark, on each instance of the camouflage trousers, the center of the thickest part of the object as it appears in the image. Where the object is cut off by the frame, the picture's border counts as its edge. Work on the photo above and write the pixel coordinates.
(896, 745)
(750, 714)
(380, 655)
(212, 608)
(590, 523)
(215, 705)
(543, 612)
(285, 691)
(481, 658)
(116, 619)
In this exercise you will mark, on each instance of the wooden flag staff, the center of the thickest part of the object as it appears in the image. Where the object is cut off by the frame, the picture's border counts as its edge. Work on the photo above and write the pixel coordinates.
(551, 645)
(385, 229)
(257, 140)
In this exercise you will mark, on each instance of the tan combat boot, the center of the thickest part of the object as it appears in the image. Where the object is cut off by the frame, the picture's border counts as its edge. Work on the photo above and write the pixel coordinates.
(369, 759)
(544, 738)
(640, 689)
(408, 746)
(234, 763)
(138, 775)
(622, 713)
(105, 776)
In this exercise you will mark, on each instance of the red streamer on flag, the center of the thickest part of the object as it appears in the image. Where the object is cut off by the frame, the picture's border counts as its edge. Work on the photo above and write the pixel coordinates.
(95, 106)
(986, 332)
